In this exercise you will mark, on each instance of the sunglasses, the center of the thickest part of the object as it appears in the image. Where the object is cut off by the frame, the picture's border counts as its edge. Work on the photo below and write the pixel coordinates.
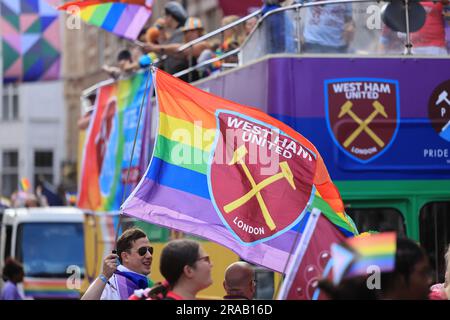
(206, 258)
(142, 251)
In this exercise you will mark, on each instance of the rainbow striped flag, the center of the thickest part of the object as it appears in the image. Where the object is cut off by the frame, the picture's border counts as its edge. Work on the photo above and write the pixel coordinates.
(233, 175)
(125, 18)
(104, 174)
(24, 184)
(373, 250)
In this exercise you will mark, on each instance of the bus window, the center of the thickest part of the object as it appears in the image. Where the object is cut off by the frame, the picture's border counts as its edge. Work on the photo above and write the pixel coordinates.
(378, 219)
(435, 235)
(8, 242)
(47, 249)
(154, 233)
(264, 283)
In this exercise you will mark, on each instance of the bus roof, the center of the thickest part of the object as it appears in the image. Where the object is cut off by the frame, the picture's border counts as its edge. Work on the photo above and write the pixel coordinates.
(43, 214)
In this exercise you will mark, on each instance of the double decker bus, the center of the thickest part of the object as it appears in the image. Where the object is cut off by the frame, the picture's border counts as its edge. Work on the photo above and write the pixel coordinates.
(376, 106)
(378, 110)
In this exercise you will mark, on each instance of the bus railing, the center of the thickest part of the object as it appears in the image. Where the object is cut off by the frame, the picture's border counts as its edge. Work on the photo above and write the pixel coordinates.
(258, 43)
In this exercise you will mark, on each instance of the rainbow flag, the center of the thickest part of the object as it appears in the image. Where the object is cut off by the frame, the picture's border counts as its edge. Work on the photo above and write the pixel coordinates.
(373, 250)
(231, 174)
(109, 142)
(125, 18)
(24, 184)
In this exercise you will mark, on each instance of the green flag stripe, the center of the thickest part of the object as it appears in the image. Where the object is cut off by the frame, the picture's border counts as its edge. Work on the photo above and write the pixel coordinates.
(181, 155)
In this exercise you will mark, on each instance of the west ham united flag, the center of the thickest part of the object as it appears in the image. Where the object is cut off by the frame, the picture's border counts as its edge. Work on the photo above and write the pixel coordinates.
(232, 174)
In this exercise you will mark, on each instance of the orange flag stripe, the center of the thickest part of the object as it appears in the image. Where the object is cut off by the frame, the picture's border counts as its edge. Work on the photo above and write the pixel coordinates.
(173, 101)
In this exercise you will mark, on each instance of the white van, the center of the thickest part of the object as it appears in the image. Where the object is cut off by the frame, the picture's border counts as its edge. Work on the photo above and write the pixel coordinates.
(49, 241)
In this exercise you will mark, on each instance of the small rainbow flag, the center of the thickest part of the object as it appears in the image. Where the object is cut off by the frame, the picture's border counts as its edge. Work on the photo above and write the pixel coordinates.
(24, 184)
(125, 18)
(374, 250)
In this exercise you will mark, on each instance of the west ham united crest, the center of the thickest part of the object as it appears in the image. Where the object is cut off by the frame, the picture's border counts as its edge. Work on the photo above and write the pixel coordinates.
(260, 179)
(362, 115)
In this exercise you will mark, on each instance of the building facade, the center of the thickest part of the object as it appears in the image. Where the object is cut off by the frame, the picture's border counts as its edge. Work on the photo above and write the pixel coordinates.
(32, 131)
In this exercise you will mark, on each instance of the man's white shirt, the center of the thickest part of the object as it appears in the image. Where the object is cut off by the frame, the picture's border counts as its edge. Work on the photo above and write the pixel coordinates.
(113, 294)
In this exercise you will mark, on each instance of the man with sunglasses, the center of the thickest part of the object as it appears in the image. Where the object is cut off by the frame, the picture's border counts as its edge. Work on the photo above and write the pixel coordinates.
(118, 281)
(239, 281)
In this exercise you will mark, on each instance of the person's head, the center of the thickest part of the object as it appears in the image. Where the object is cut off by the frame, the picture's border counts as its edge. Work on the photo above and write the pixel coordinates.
(184, 263)
(134, 251)
(175, 15)
(234, 34)
(348, 289)
(240, 280)
(250, 24)
(13, 271)
(124, 58)
(155, 34)
(411, 277)
(31, 201)
(152, 35)
(193, 29)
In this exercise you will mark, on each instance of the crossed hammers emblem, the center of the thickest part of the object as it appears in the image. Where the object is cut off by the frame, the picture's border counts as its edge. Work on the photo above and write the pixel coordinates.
(285, 173)
(363, 124)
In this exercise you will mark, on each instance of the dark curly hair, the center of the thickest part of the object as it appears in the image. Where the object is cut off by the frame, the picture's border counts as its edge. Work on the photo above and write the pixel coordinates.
(12, 269)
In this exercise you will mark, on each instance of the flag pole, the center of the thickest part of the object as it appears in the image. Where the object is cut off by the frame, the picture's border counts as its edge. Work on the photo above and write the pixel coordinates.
(149, 75)
(300, 251)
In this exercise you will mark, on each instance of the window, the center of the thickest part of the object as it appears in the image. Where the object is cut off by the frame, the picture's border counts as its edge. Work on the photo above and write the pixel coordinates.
(265, 281)
(10, 172)
(43, 166)
(154, 233)
(378, 219)
(47, 249)
(8, 242)
(435, 235)
(10, 109)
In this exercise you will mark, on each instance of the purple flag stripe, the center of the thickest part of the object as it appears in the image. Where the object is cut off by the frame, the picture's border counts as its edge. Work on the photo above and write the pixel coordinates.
(125, 20)
(126, 287)
(198, 208)
(261, 253)
(137, 23)
(191, 205)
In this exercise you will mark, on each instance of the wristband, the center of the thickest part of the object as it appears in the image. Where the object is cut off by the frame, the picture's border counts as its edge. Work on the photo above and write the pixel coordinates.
(103, 278)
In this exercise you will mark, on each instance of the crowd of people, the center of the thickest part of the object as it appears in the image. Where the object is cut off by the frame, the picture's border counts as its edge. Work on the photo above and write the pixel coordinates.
(162, 41)
(325, 29)
(186, 268)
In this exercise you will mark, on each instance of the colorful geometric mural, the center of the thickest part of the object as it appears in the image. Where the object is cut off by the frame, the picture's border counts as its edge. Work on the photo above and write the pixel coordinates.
(30, 36)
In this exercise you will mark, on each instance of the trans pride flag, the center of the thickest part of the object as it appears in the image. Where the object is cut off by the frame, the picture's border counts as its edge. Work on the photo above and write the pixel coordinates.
(233, 175)
(109, 143)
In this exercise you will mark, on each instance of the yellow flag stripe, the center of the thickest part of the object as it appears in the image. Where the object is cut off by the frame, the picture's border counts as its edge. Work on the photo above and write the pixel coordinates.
(191, 134)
